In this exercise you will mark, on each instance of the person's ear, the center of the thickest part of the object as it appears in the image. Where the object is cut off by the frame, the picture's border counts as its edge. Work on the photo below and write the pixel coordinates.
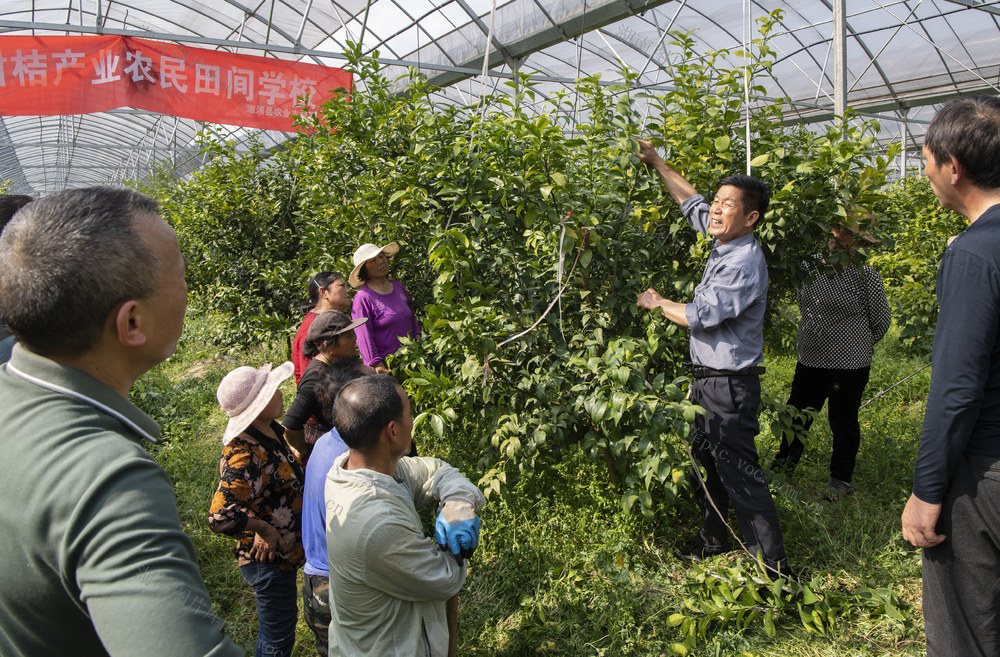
(389, 432)
(129, 324)
(752, 218)
(957, 170)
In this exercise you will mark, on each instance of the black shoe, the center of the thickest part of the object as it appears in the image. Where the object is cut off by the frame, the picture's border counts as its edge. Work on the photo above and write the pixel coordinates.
(837, 490)
(787, 458)
(697, 550)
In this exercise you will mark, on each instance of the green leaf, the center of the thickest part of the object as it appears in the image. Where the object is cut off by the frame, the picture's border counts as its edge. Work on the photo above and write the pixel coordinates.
(760, 160)
(769, 628)
(600, 410)
(673, 620)
(690, 414)
(818, 622)
(722, 143)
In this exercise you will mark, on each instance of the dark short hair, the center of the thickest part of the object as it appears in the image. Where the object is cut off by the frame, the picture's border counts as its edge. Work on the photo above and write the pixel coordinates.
(9, 204)
(334, 378)
(364, 407)
(968, 129)
(67, 260)
(756, 195)
(319, 282)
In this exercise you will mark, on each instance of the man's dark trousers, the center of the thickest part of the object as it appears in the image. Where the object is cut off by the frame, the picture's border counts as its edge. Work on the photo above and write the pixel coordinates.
(723, 442)
(961, 595)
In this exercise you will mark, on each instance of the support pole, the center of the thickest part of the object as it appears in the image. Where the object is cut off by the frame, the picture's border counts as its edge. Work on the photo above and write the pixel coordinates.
(902, 150)
(839, 57)
(747, 37)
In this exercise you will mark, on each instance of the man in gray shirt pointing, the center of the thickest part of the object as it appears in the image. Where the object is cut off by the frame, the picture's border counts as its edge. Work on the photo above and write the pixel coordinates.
(726, 320)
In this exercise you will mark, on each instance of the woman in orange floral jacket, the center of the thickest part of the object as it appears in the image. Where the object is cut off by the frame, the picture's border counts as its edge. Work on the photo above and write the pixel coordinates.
(259, 500)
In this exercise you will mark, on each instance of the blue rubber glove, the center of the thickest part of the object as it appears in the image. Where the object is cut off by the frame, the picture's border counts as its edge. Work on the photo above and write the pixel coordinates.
(457, 528)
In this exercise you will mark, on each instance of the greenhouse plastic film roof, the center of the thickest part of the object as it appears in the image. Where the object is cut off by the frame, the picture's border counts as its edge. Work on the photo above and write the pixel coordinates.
(903, 57)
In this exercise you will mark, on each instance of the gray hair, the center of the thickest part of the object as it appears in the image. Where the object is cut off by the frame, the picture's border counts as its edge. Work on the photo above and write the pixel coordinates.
(67, 260)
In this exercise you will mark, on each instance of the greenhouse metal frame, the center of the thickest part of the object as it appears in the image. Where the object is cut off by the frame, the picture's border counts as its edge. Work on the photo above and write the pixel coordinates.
(892, 60)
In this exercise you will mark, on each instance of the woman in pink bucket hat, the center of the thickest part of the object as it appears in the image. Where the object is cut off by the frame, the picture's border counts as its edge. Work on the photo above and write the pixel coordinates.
(259, 500)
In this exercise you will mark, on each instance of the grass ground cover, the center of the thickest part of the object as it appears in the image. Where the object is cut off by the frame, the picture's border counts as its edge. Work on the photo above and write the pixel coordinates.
(562, 570)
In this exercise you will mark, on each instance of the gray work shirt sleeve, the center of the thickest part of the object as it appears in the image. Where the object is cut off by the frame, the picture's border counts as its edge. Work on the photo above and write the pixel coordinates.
(696, 210)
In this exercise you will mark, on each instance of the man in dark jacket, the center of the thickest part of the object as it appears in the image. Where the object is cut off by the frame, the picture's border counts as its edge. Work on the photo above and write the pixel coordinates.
(954, 510)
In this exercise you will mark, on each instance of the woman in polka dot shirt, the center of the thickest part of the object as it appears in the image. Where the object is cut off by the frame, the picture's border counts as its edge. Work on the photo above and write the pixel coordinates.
(844, 312)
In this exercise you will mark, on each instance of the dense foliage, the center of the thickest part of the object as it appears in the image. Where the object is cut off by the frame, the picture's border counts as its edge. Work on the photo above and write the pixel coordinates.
(526, 239)
(528, 229)
(916, 237)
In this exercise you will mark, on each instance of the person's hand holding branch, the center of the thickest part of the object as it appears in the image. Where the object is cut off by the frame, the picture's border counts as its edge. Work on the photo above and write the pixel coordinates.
(457, 528)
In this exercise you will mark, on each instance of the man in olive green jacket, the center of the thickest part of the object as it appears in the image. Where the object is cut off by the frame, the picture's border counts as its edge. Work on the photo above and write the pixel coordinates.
(92, 557)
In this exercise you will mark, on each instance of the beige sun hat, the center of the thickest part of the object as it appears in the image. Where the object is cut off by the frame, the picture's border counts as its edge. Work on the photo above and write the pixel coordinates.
(245, 392)
(365, 253)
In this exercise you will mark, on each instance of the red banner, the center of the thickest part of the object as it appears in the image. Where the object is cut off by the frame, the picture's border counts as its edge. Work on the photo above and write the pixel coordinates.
(47, 75)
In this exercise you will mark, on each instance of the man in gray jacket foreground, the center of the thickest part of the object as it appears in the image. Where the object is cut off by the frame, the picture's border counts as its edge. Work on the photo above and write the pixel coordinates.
(388, 581)
(92, 557)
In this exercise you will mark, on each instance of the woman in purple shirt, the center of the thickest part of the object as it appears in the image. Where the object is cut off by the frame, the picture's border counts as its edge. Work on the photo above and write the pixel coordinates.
(384, 302)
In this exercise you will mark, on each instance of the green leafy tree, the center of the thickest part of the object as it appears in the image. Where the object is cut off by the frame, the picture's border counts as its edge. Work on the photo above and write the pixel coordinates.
(526, 239)
(236, 221)
(917, 235)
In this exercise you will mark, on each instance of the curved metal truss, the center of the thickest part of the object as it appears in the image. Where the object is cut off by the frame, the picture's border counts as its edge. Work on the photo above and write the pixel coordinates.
(903, 57)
